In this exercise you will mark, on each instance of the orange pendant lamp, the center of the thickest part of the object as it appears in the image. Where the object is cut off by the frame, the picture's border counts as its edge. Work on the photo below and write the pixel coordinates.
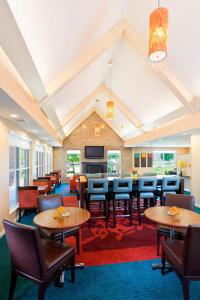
(110, 103)
(97, 130)
(158, 35)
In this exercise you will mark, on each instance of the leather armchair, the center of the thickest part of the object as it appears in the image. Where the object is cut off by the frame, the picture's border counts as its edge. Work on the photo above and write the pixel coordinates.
(50, 202)
(41, 261)
(27, 197)
(181, 201)
(184, 257)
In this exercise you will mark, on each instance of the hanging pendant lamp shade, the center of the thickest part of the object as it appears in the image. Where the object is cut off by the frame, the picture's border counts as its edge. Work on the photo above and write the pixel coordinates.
(158, 35)
(110, 110)
(97, 130)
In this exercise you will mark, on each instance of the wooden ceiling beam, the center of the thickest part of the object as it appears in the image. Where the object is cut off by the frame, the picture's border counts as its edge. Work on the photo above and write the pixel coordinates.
(161, 69)
(99, 47)
(183, 124)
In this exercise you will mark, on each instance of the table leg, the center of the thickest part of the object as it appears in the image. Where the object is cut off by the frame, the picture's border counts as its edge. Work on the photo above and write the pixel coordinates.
(158, 266)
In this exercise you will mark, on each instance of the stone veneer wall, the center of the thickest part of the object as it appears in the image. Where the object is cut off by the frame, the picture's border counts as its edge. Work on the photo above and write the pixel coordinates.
(81, 137)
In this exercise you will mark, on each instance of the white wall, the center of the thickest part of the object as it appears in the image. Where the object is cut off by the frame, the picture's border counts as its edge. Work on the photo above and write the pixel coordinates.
(195, 170)
(5, 127)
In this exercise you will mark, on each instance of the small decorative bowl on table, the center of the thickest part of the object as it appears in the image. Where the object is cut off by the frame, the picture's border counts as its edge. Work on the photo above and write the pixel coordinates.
(61, 212)
(174, 211)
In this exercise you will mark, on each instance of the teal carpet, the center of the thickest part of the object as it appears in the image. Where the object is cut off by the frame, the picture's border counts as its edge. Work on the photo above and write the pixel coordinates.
(108, 282)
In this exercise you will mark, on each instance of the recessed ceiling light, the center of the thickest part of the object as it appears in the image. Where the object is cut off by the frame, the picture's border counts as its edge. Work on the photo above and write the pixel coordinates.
(14, 116)
(122, 125)
(97, 100)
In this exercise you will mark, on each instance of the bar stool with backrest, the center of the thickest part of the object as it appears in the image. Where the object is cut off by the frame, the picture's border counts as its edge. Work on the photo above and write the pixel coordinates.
(27, 197)
(184, 258)
(122, 191)
(181, 201)
(170, 184)
(97, 192)
(50, 202)
(147, 191)
(41, 261)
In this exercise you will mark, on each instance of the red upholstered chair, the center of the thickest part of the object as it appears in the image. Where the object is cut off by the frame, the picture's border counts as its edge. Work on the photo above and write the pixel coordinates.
(56, 174)
(41, 261)
(27, 197)
(43, 181)
(72, 183)
(184, 257)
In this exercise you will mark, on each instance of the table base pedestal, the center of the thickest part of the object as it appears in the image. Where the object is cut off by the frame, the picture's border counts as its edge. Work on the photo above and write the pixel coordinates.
(158, 266)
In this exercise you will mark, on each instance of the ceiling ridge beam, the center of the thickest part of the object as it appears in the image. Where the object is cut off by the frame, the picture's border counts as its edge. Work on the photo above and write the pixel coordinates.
(107, 123)
(79, 122)
(122, 107)
(183, 124)
(175, 86)
(79, 107)
(87, 57)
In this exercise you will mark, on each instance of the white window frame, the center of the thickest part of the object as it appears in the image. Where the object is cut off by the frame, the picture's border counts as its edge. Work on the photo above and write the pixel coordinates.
(116, 165)
(164, 164)
(39, 161)
(21, 143)
(77, 165)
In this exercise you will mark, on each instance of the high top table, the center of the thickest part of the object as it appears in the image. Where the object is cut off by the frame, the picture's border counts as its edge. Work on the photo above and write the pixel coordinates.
(160, 215)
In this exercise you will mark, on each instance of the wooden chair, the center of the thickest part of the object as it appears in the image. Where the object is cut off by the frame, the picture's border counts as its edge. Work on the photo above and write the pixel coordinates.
(41, 261)
(54, 201)
(27, 197)
(181, 201)
(184, 257)
(72, 183)
(41, 182)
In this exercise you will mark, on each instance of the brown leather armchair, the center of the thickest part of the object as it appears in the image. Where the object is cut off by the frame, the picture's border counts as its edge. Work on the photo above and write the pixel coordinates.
(184, 257)
(179, 200)
(41, 261)
(50, 202)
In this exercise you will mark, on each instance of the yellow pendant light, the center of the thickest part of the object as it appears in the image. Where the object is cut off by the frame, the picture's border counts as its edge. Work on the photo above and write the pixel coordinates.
(158, 35)
(110, 103)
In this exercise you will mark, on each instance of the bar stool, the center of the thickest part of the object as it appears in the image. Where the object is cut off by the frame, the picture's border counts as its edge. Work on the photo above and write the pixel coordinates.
(170, 184)
(122, 190)
(97, 192)
(147, 191)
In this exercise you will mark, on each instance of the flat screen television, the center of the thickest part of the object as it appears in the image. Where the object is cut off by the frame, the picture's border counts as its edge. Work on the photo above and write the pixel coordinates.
(94, 152)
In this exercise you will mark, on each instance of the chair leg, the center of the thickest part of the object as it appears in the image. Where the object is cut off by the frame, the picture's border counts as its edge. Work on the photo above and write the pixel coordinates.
(41, 292)
(163, 263)
(158, 237)
(13, 282)
(185, 289)
(78, 242)
(130, 210)
(106, 211)
(138, 206)
(20, 214)
(73, 269)
(114, 213)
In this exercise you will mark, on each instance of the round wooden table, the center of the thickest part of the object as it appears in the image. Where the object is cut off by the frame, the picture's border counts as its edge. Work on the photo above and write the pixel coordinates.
(77, 216)
(159, 214)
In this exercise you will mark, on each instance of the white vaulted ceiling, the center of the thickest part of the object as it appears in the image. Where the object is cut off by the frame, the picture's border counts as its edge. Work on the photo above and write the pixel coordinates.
(65, 47)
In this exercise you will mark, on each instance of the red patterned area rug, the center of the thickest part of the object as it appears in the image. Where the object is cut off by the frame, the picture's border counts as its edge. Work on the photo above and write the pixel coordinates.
(101, 245)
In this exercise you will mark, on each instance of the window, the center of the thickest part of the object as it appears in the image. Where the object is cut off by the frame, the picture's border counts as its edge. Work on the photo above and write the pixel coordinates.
(164, 162)
(114, 161)
(19, 148)
(73, 162)
(48, 162)
(39, 156)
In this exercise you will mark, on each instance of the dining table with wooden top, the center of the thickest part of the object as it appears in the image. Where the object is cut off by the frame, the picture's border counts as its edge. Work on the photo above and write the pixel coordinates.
(71, 217)
(162, 215)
